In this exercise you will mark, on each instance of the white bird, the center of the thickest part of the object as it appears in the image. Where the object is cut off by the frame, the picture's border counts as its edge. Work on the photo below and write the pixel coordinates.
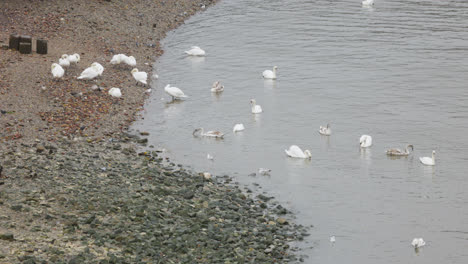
(130, 60)
(217, 87)
(365, 141)
(428, 161)
(99, 67)
(195, 51)
(140, 76)
(256, 109)
(399, 152)
(332, 239)
(155, 76)
(238, 127)
(75, 58)
(263, 171)
(418, 242)
(296, 152)
(368, 3)
(115, 92)
(175, 92)
(325, 130)
(57, 70)
(89, 73)
(209, 156)
(211, 133)
(63, 61)
(267, 74)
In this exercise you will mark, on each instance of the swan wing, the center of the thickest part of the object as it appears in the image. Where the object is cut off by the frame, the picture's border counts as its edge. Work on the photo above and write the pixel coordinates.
(89, 73)
(295, 152)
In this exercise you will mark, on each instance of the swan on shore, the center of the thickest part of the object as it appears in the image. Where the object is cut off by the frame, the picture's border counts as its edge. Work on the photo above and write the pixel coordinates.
(200, 131)
(238, 127)
(217, 87)
(427, 160)
(399, 152)
(99, 67)
(117, 59)
(326, 131)
(175, 92)
(365, 141)
(57, 70)
(139, 76)
(63, 61)
(115, 92)
(89, 73)
(268, 74)
(296, 152)
(130, 61)
(368, 3)
(256, 109)
(418, 242)
(75, 58)
(195, 51)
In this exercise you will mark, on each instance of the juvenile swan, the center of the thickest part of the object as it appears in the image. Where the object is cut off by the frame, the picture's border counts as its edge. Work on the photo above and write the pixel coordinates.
(428, 161)
(399, 152)
(325, 130)
(201, 132)
(368, 3)
(296, 152)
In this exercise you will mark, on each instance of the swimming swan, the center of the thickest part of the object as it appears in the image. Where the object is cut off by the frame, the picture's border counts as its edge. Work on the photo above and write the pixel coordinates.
(399, 152)
(296, 152)
(368, 3)
(201, 131)
(418, 242)
(267, 74)
(365, 141)
(428, 161)
(175, 92)
(325, 130)
(238, 127)
(195, 51)
(217, 87)
(256, 109)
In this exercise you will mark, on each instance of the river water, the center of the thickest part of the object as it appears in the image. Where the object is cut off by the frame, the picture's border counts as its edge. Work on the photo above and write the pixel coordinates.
(397, 72)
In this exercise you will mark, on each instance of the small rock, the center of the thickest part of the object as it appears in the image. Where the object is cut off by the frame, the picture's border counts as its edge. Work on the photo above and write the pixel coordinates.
(144, 133)
(282, 221)
(7, 236)
(40, 149)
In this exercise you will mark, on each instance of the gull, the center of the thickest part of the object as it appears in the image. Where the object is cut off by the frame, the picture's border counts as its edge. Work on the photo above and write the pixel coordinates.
(365, 141)
(115, 92)
(215, 134)
(296, 152)
(427, 160)
(99, 67)
(399, 152)
(267, 74)
(175, 92)
(256, 109)
(63, 61)
(89, 73)
(217, 87)
(139, 76)
(418, 242)
(57, 70)
(326, 131)
(238, 127)
(195, 51)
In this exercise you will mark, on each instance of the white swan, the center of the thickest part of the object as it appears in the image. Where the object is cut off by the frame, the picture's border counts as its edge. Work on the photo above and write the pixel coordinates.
(130, 60)
(238, 127)
(211, 133)
(368, 3)
(267, 74)
(209, 156)
(325, 130)
(75, 58)
(99, 67)
(399, 152)
(57, 70)
(89, 73)
(365, 141)
(118, 58)
(256, 109)
(175, 92)
(195, 51)
(63, 61)
(217, 87)
(140, 76)
(428, 161)
(418, 242)
(296, 152)
(115, 92)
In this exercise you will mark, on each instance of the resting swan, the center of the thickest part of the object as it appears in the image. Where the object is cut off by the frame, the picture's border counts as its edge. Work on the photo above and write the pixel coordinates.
(368, 3)
(399, 152)
(428, 161)
(296, 152)
(365, 141)
(325, 130)
(201, 131)
(217, 87)
(195, 51)
(256, 109)
(267, 74)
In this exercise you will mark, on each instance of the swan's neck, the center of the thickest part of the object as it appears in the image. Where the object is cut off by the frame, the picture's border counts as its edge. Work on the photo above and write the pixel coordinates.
(274, 70)
(433, 157)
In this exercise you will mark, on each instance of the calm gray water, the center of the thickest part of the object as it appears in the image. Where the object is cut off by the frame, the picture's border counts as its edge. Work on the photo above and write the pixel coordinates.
(397, 72)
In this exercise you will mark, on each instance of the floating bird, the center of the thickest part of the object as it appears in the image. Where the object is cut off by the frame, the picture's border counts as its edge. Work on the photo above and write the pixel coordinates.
(325, 130)
(256, 109)
(118, 58)
(238, 127)
(140, 76)
(365, 141)
(99, 67)
(209, 156)
(155, 76)
(75, 58)
(296, 152)
(332, 239)
(115, 92)
(130, 60)
(195, 51)
(267, 74)
(399, 152)
(428, 161)
(215, 134)
(368, 3)
(57, 70)
(63, 61)
(418, 242)
(175, 92)
(217, 87)
(89, 73)
(263, 171)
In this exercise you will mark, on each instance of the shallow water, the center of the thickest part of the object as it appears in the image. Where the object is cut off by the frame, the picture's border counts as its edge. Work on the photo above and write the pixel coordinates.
(396, 72)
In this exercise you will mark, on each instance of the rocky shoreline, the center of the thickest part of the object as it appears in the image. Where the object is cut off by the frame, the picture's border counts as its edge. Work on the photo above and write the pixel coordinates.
(75, 189)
